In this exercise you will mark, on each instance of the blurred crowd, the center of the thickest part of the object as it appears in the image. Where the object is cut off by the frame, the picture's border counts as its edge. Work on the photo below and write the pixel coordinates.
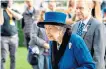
(35, 38)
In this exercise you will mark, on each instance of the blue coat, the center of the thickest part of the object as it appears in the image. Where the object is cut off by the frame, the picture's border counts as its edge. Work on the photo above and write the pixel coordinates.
(76, 55)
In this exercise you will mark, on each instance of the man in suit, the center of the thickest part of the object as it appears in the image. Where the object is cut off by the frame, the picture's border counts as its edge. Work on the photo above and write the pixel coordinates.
(38, 39)
(91, 30)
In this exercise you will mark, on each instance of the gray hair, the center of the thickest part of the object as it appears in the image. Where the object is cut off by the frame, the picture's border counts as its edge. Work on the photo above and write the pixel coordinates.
(63, 28)
(89, 3)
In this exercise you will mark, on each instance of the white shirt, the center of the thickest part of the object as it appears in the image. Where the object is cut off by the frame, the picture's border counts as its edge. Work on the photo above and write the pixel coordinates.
(86, 20)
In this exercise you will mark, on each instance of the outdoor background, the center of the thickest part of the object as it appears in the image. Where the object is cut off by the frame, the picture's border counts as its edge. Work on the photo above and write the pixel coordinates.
(21, 55)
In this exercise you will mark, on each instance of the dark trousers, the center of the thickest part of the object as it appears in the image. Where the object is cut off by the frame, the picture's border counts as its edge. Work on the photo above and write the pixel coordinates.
(27, 39)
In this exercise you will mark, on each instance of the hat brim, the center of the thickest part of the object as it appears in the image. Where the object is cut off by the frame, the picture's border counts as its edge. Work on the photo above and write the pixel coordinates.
(41, 24)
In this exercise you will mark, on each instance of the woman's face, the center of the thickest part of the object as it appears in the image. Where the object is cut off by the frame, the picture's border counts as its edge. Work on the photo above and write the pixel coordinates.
(53, 32)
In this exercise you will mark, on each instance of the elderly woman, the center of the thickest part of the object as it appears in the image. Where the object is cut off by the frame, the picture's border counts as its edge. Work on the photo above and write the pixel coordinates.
(67, 50)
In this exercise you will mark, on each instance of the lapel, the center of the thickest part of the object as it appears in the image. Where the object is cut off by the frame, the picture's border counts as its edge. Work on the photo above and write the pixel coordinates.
(75, 27)
(57, 54)
(86, 28)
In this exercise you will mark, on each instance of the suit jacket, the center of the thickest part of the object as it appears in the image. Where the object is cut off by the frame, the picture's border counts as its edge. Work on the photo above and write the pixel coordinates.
(94, 37)
(37, 37)
(76, 55)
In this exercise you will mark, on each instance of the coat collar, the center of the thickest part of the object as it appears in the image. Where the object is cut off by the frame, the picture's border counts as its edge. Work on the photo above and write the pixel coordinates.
(87, 27)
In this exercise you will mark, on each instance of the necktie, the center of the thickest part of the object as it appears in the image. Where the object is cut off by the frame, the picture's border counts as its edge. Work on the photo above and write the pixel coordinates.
(80, 28)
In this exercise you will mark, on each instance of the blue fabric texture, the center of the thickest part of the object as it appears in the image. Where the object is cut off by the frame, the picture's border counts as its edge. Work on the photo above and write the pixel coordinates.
(104, 10)
(53, 18)
(77, 56)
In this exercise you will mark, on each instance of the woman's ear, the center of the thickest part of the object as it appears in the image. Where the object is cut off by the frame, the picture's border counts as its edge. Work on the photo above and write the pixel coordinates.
(61, 32)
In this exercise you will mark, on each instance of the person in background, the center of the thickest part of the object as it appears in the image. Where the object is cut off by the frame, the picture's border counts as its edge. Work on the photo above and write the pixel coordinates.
(39, 40)
(104, 16)
(70, 12)
(51, 6)
(41, 16)
(104, 21)
(1, 23)
(9, 34)
(96, 10)
(103, 6)
(91, 30)
(28, 19)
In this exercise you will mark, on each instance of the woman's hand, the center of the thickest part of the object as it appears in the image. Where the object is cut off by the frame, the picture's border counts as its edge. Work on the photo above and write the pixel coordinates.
(46, 46)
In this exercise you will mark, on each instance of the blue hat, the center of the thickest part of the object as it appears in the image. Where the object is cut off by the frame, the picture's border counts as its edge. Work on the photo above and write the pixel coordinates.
(53, 18)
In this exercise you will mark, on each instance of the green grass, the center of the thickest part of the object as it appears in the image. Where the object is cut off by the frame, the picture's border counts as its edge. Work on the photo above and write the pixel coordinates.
(21, 59)
(20, 34)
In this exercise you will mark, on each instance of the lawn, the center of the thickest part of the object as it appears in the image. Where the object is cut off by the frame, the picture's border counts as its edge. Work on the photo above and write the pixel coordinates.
(21, 59)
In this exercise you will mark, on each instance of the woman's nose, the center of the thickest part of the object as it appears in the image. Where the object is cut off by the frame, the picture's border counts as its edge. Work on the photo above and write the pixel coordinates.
(48, 33)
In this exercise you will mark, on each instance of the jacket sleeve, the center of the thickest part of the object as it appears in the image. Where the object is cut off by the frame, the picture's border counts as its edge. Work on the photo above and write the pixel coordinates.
(82, 55)
(35, 39)
(15, 14)
(99, 46)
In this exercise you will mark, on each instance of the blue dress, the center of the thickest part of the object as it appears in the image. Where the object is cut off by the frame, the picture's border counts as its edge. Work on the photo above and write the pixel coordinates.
(76, 55)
